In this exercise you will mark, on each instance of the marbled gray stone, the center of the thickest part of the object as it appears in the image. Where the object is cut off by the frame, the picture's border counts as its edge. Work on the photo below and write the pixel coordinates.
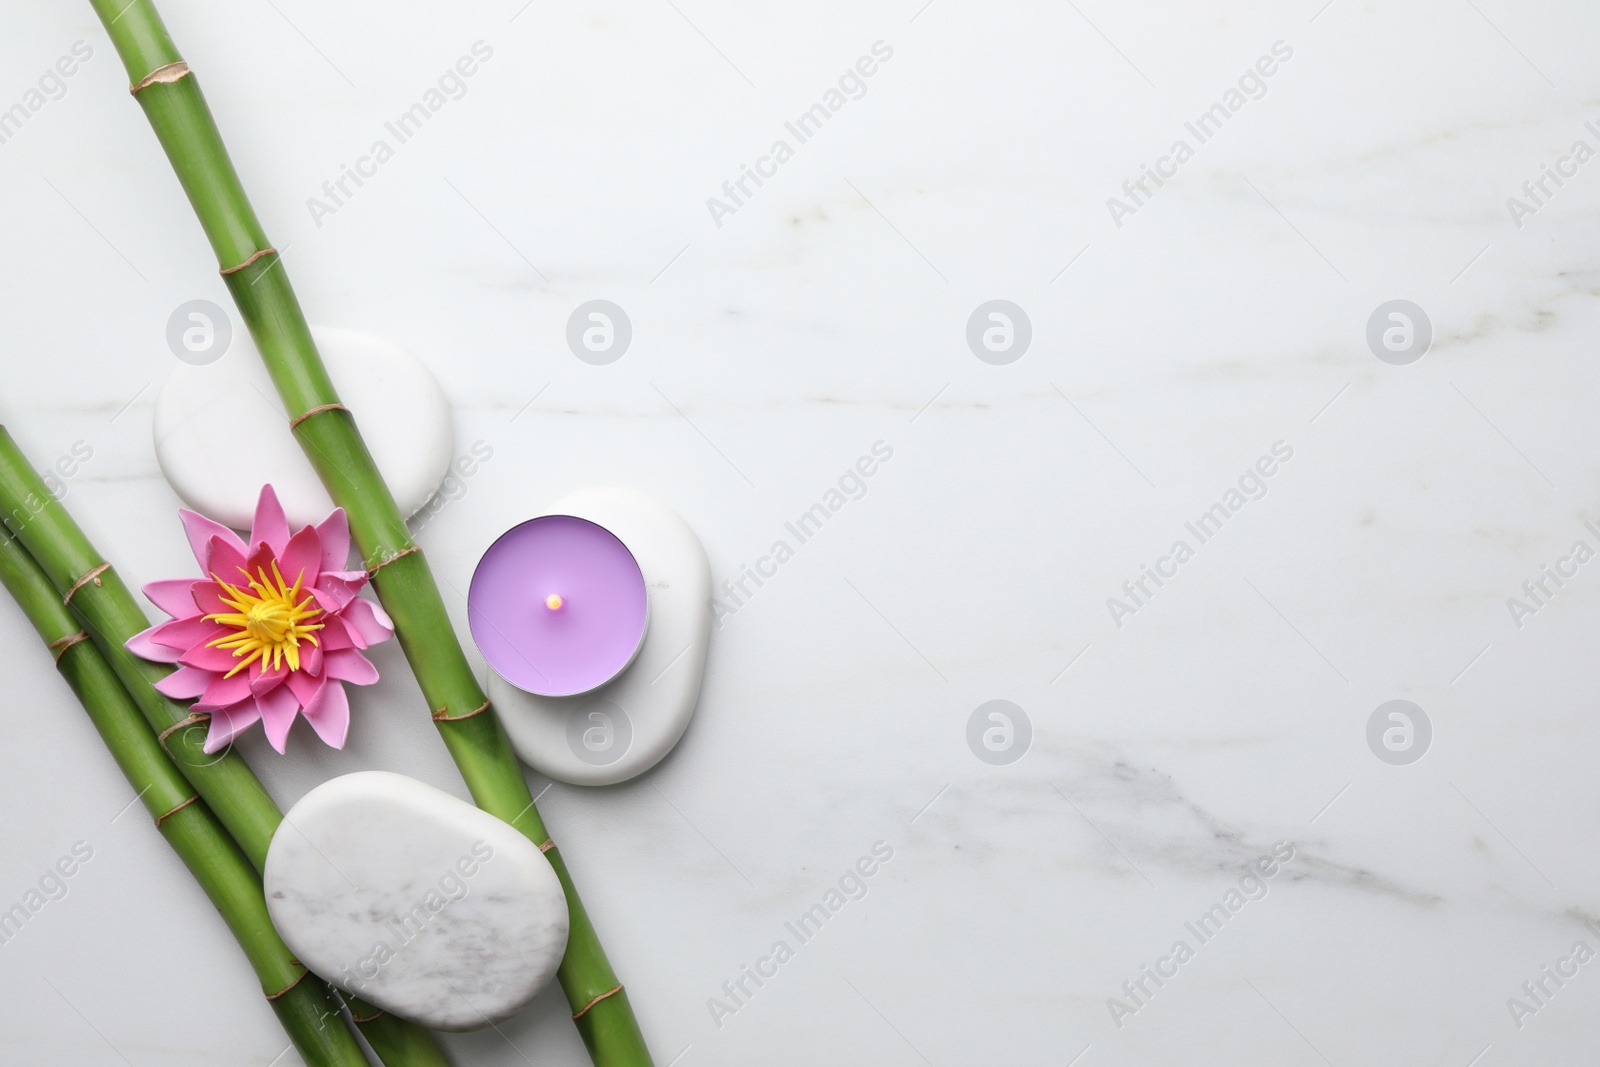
(415, 900)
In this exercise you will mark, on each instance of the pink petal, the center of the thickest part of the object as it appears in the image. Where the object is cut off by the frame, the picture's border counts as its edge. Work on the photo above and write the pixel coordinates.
(226, 562)
(175, 596)
(367, 622)
(333, 636)
(335, 589)
(221, 692)
(381, 617)
(184, 634)
(310, 661)
(329, 714)
(228, 723)
(201, 530)
(208, 597)
(208, 659)
(278, 708)
(263, 680)
(301, 559)
(143, 645)
(260, 560)
(270, 525)
(305, 687)
(334, 532)
(185, 683)
(350, 666)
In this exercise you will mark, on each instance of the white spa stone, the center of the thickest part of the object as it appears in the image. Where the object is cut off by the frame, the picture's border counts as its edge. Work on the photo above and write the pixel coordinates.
(625, 727)
(416, 901)
(204, 413)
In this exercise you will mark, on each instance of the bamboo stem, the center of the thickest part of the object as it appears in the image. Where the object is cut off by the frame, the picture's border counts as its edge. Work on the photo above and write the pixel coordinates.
(170, 96)
(234, 887)
(111, 616)
(233, 795)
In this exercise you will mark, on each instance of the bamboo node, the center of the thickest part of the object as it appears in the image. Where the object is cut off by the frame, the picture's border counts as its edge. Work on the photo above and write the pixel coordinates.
(189, 720)
(92, 576)
(443, 714)
(613, 991)
(318, 410)
(269, 251)
(547, 845)
(291, 985)
(161, 76)
(175, 809)
(386, 560)
(60, 645)
(359, 1019)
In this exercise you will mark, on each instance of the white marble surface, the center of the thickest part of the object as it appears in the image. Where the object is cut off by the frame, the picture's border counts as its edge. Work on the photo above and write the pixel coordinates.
(415, 900)
(768, 355)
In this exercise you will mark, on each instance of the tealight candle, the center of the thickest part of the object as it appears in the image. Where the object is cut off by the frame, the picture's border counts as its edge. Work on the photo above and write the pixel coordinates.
(558, 606)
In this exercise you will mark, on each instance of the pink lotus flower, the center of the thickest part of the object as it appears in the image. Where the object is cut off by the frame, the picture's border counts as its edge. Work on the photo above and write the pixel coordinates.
(274, 630)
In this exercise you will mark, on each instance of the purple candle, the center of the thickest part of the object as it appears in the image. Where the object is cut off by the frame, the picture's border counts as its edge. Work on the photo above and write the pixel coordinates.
(558, 606)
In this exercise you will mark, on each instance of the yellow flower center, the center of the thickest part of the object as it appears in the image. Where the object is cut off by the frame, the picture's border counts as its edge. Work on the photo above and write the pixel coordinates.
(268, 622)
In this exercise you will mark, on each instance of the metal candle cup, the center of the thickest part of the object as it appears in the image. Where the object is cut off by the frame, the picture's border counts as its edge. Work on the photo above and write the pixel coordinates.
(558, 606)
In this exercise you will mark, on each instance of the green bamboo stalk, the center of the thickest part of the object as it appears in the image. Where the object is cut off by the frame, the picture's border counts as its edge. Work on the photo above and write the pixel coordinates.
(304, 1008)
(110, 616)
(170, 96)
